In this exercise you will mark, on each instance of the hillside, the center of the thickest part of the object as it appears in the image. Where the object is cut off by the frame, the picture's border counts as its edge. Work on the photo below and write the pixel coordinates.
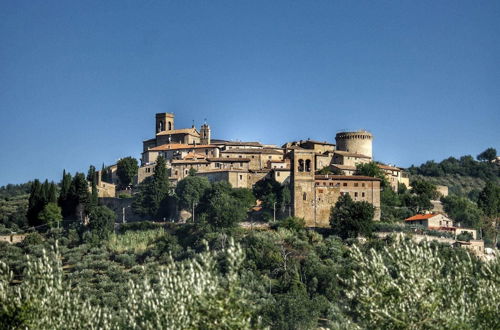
(13, 207)
(464, 176)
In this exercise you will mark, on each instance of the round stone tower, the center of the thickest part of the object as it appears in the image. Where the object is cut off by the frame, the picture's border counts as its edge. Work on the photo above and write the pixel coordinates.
(359, 142)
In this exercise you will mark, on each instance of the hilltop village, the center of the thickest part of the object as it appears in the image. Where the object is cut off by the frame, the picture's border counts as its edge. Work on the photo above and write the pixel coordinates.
(296, 163)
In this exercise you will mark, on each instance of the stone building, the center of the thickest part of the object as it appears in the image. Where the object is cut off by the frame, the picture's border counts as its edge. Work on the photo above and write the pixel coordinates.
(314, 195)
(439, 222)
(245, 163)
(395, 176)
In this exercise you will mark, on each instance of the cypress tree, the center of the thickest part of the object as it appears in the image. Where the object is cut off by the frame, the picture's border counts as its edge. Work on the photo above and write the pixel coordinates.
(52, 195)
(35, 203)
(91, 173)
(45, 192)
(63, 200)
(94, 196)
(79, 195)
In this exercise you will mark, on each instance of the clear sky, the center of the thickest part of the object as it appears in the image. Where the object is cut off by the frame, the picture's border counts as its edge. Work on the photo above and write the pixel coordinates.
(80, 81)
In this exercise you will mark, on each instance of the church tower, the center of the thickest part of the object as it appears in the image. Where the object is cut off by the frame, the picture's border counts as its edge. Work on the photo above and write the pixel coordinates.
(164, 122)
(205, 134)
(303, 185)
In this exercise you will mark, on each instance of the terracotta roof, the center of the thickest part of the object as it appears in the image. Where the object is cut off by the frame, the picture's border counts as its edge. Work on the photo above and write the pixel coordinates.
(421, 217)
(240, 143)
(222, 170)
(388, 167)
(346, 177)
(193, 155)
(252, 151)
(189, 161)
(344, 167)
(191, 131)
(222, 159)
(350, 154)
(179, 146)
(318, 142)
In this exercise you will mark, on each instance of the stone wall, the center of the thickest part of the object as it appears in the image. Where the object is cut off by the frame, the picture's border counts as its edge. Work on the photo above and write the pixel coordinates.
(121, 205)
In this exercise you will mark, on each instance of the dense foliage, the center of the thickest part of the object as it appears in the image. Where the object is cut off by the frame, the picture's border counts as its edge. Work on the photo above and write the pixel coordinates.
(464, 166)
(409, 286)
(126, 170)
(350, 219)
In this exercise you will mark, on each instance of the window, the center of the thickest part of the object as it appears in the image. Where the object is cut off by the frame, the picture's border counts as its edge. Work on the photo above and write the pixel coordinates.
(355, 194)
(169, 126)
(344, 184)
(362, 194)
(331, 183)
(363, 184)
(161, 126)
(301, 165)
(304, 196)
(241, 177)
(176, 172)
(355, 184)
(278, 174)
(308, 165)
(240, 156)
(270, 157)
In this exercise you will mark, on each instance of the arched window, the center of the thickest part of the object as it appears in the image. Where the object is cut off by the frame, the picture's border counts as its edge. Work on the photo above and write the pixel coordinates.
(301, 165)
(169, 125)
(308, 165)
(304, 196)
(160, 126)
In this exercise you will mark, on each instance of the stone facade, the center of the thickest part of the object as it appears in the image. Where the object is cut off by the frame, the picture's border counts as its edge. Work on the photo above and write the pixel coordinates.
(237, 178)
(315, 195)
(243, 164)
(359, 142)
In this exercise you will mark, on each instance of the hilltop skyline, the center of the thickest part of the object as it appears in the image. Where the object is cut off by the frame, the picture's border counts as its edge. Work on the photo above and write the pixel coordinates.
(81, 82)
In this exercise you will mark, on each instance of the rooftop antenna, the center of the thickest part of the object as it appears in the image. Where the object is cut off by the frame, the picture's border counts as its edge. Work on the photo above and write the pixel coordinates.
(193, 124)
(205, 121)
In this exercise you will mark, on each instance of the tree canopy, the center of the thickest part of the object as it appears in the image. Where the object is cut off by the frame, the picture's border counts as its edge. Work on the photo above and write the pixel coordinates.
(487, 155)
(126, 170)
(153, 192)
(190, 190)
(349, 219)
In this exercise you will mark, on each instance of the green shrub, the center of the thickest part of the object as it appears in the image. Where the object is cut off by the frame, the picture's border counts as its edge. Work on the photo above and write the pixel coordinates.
(407, 287)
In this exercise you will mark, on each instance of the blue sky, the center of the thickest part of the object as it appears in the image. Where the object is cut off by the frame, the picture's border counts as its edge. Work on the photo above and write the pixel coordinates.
(80, 81)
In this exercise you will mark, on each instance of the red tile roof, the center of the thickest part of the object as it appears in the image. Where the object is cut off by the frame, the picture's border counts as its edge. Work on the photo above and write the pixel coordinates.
(178, 146)
(191, 131)
(345, 177)
(421, 217)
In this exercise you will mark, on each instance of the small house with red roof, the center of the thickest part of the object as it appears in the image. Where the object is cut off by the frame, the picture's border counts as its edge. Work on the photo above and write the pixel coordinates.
(438, 221)
(433, 221)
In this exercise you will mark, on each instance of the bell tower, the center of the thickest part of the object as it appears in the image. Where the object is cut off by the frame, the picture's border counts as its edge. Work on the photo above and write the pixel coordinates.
(205, 134)
(164, 122)
(303, 185)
